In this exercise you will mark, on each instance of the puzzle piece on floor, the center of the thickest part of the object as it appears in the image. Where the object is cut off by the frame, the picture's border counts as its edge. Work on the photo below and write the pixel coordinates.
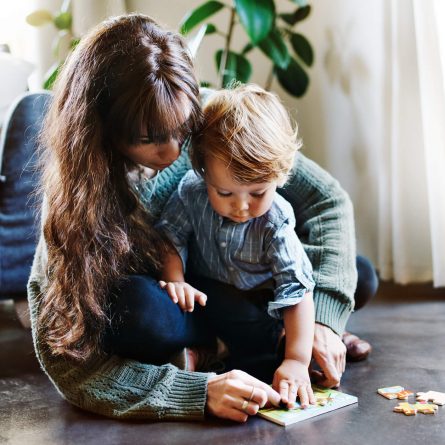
(436, 397)
(390, 392)
(405, 408)
(395, 392)
(425, 408)
(411, 409)
(403, 395)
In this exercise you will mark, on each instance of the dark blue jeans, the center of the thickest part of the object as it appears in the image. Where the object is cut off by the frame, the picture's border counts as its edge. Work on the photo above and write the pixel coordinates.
(147, 326)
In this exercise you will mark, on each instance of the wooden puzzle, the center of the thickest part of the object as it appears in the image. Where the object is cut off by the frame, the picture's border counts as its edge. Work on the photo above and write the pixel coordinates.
(327, 400)
(411, 409)
(395, 392)
(435, 397)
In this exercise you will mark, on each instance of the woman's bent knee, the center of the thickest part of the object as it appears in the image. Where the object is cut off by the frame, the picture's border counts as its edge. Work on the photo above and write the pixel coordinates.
(367, 283)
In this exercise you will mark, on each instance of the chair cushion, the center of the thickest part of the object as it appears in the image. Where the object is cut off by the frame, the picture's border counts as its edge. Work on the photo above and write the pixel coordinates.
(19, 204)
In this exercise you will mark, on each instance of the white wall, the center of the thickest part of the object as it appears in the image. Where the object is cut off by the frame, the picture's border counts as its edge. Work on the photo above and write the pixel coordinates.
(342, 115)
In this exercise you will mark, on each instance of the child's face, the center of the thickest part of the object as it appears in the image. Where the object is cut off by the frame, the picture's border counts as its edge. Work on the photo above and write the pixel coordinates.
(238, 202)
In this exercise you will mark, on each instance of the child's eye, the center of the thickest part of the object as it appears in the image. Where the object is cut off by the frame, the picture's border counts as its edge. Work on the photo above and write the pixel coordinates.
(258, 195)
(223, 194)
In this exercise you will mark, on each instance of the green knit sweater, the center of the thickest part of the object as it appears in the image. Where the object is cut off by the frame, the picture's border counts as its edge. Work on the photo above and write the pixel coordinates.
(122, 388)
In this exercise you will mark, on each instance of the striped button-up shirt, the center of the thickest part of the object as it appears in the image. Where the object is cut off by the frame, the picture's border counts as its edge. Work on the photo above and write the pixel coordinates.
(245, 255)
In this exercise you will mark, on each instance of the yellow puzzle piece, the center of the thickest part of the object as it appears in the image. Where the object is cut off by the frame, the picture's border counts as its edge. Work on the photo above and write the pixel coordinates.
(411, 409)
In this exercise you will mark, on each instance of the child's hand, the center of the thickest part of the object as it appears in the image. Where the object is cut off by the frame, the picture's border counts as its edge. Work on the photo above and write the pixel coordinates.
(183, 294)
(290, 380)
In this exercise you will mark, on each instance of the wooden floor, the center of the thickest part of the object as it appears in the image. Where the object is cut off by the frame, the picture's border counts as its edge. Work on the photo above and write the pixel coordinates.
(406, 326)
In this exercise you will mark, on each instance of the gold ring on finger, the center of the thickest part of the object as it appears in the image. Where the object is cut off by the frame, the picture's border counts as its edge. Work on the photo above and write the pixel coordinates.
(245, 405)
(252, 393)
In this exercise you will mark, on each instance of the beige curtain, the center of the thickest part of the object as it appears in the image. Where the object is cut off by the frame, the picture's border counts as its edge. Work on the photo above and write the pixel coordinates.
(374, 116)
(412, 192)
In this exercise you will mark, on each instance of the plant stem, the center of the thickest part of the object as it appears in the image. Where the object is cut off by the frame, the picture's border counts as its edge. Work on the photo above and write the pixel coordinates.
(269, 79)
(222, 66)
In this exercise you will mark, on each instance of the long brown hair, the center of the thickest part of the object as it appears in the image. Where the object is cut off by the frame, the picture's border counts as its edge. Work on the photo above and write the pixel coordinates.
(126, 78)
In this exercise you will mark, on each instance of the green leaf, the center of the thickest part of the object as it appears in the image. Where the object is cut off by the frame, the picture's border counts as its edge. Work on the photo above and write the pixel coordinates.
(293, 79)
(63, 20)
(198, 15)
(297, 16)
(39, 17)
(303, 48)
(275, 48)
(257, 17)
(247, 48)
(210, 28)
(51, 76)
(237, 67)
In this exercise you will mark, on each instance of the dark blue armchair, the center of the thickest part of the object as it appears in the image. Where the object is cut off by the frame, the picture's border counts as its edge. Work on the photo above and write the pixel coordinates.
(19, 204)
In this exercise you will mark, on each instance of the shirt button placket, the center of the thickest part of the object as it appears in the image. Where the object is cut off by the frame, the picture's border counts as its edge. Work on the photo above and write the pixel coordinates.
(222, 236)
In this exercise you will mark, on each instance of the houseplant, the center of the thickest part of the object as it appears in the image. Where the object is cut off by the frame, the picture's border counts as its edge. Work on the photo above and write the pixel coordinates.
(271, 32)
(64, 41)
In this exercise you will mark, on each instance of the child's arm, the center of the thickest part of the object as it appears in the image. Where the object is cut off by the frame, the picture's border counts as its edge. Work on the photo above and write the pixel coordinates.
(176, 223)
(291, 379)
(292, 273)
(172, 280)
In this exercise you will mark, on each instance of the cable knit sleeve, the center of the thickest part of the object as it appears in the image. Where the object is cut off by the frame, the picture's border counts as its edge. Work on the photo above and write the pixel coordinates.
(325, 226)
(110, 385)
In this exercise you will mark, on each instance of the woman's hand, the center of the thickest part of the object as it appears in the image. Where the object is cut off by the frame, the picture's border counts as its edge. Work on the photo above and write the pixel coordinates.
(291, 379)
(330, 354)
(236, 395)
(183, 294)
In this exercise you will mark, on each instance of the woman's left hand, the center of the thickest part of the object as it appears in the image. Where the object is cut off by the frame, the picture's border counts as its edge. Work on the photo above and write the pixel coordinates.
(236, 395)
(290, 380)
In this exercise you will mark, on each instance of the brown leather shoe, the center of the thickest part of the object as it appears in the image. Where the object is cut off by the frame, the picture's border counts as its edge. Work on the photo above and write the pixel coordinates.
(356, 348)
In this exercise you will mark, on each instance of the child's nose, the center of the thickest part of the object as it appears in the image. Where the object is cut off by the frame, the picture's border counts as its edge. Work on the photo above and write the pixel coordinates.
(241, 204)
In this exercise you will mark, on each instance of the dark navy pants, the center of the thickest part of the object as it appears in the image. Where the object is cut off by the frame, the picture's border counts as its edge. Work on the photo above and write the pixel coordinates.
(148, 326)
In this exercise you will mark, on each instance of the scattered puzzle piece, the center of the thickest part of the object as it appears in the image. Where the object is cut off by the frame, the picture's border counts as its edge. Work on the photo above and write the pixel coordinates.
(390, 392)
(403, 395)
(426, 408)
(411, 409)
(432, 396)
(395, 392)
(405, 408)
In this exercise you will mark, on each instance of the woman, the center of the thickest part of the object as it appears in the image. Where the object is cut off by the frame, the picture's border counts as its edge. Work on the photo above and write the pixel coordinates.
(116, 139)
